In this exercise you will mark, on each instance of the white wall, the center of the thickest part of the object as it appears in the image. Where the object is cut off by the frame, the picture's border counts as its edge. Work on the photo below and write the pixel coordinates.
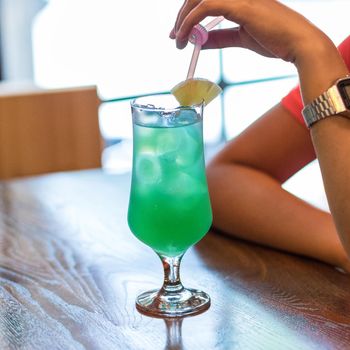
(15, 26)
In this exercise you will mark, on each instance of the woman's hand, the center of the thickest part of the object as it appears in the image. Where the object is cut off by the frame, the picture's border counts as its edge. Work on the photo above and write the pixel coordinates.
(270, 29)
(265, 26)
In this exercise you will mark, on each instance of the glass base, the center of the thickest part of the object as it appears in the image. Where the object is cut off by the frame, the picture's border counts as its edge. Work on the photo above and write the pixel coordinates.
(160, 303)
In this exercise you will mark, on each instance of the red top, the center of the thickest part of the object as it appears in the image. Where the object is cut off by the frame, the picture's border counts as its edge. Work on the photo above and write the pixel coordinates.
(293, 102)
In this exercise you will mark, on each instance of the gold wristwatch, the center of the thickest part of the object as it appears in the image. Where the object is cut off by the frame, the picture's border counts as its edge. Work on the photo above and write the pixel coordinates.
(334, 101)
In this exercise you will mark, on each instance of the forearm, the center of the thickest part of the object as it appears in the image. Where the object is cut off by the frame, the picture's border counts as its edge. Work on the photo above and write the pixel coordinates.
(252, 205)
(331, 137)
(331, 140)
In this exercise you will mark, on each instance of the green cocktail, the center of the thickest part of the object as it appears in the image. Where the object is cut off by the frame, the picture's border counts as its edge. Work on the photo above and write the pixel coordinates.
(169, 203)
(169, 208)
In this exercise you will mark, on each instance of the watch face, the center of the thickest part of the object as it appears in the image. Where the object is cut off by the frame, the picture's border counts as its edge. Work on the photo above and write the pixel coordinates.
(344, 89)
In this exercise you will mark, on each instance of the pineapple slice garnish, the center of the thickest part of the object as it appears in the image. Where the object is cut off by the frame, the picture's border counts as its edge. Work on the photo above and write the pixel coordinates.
(195, 90)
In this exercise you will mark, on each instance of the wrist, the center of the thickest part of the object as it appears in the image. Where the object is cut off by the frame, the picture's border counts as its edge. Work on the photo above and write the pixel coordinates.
(319, 65)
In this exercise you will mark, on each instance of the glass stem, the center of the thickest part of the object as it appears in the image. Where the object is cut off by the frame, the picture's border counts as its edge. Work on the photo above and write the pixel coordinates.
(171, 265)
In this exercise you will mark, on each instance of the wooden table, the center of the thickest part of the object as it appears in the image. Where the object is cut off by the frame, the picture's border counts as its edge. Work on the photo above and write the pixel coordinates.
(70, 270)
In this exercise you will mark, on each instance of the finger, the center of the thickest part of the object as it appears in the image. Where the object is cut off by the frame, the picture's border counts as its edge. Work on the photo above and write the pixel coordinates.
(196, 15)
(235, 37)
(221, 38)
(186, 8)
(181, 44)
(178, 15)
(172, 34)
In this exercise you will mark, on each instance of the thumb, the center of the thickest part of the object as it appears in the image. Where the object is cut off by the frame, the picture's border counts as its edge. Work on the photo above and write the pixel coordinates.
(220, 38)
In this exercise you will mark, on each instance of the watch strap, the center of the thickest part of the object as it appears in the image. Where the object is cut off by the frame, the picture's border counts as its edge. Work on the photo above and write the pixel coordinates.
(330, 103)
(318, 109)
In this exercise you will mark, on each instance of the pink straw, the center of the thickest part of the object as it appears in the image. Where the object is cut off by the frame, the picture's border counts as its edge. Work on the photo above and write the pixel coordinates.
(214, 22)
(198, 36)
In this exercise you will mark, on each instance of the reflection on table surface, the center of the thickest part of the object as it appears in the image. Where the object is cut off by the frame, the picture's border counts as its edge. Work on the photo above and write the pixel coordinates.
(70, 270)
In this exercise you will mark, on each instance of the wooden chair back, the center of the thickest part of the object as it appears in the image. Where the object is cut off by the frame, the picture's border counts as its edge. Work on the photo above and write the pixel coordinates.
(43, 131)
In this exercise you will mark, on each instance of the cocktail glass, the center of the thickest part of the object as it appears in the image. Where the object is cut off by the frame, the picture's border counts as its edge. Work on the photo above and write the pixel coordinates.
(169, 207)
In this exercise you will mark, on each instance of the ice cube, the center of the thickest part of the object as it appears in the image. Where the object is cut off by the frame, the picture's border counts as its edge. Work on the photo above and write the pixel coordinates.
(186, 117)
(169, 142)
(184, 191)
(146, 117)
(148, 170)
(145, 139)
(191, 149)
(181, 183)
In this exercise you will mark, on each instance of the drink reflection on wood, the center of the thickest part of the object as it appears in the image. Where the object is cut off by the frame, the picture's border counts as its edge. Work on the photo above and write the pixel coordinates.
(173, 333)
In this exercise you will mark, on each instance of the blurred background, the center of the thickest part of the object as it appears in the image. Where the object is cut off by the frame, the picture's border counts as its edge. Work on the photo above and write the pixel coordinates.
(123, 48)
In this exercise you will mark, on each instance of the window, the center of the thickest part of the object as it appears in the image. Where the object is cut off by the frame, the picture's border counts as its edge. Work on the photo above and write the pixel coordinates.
(124, 48)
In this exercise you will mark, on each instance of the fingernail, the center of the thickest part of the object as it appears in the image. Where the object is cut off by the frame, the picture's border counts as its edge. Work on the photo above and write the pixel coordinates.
(172, 34)
(181, 44)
